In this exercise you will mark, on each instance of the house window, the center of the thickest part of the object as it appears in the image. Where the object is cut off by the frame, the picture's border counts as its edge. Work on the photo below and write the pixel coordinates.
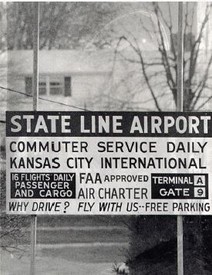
(42, 88)
(56, 86)
(67, 86)
(28, 85)
(50, 85)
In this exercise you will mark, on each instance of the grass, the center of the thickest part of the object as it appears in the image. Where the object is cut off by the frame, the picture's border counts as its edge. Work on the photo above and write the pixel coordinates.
(88, 254)
(76, 220)
(63, 262)
(78, 236)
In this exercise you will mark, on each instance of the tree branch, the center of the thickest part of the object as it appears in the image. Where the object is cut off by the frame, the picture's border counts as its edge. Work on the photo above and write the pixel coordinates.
(195, 48)
(164, 55)
(203, 104)
(139, 53)
(202, 83)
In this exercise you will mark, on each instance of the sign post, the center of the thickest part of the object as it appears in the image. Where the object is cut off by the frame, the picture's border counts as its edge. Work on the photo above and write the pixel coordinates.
(180, 109)
(35, 107)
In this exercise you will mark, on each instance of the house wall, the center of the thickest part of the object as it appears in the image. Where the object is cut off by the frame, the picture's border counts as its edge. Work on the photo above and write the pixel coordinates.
(84, 89)
(121, 88)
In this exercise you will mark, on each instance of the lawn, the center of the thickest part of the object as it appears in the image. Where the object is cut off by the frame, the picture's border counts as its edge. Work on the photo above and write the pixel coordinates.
(55, 263)
(82, 236)
(99, 254)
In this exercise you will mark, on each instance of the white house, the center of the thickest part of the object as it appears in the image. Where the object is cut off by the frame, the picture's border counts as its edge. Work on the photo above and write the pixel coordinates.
(69, 77)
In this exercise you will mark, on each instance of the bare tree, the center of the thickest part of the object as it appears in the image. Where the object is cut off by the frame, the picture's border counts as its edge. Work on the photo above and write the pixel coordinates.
(3, 27)
(20, 24)
(63, 25)
(153, 239)
(157, 69)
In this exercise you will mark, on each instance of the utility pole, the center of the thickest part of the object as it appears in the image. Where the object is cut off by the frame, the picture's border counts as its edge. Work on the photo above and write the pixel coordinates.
(35, 108)
(180, 268)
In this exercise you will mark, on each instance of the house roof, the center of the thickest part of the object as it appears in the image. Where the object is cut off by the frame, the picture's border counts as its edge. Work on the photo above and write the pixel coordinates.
(60, 61)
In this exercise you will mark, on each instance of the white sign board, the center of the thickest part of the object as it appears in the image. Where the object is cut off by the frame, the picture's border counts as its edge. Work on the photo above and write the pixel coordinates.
(109, 163)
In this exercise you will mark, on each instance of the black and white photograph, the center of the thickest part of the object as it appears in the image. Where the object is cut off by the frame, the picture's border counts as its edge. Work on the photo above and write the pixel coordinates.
(105, 137)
